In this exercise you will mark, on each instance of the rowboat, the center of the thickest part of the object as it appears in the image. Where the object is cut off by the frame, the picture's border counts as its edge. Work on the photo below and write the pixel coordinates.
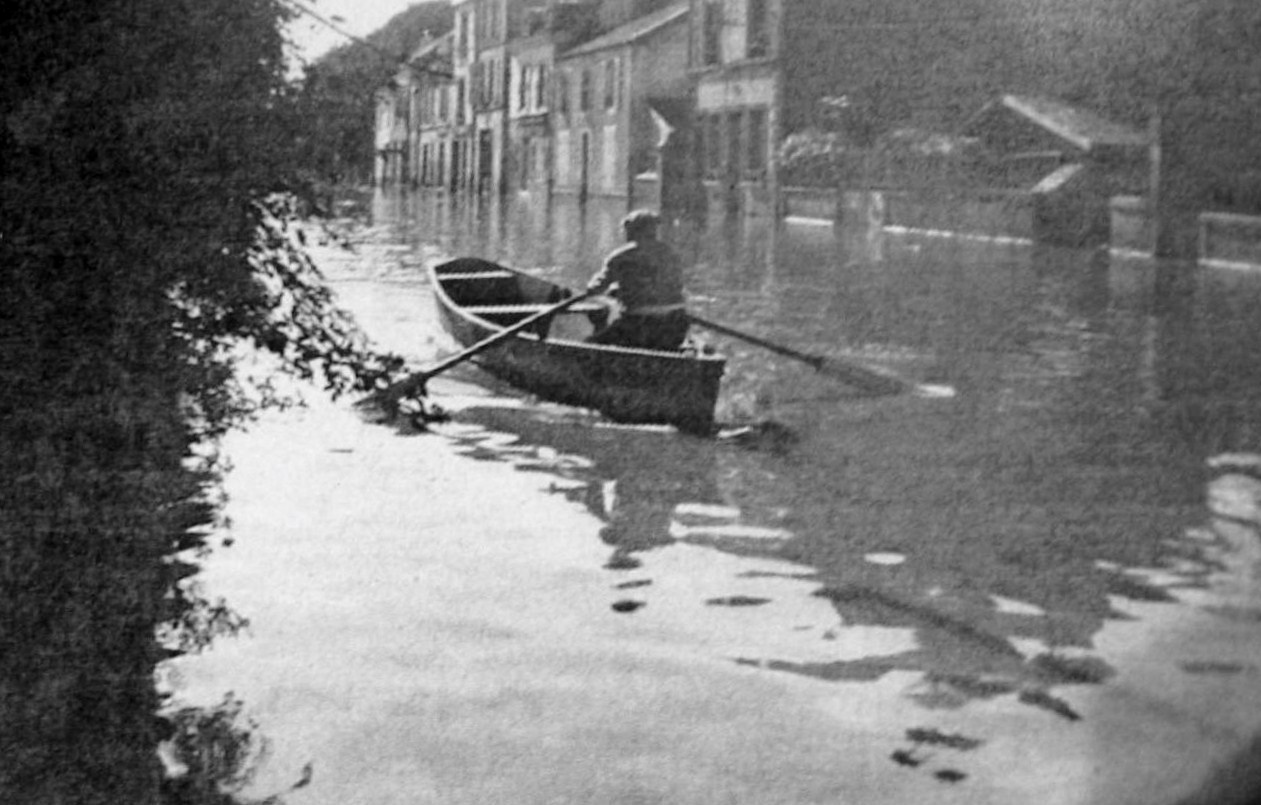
(477, 298)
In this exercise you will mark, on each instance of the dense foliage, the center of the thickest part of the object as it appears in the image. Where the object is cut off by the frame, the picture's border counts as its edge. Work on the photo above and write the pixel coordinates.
(149, 174)
(1194, 65)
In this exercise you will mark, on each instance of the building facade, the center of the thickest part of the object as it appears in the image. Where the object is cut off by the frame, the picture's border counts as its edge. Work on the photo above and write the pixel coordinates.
(389, 137)
(488, 89)
(538, 95)
(734, 58)
(462, 129)
(531, 62)
(436, 117)
(604, 132)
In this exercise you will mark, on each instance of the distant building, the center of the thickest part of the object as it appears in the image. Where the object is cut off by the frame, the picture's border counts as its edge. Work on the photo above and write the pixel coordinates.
(436, 113)
(1028, 137)
(395, 113)
(390, 136)
(765, 69)
(604, 130)
(531, 62)
(1072, 161)
(463, 59)
(488, 88)
(735, 50)
(536, 95)
(404, 131)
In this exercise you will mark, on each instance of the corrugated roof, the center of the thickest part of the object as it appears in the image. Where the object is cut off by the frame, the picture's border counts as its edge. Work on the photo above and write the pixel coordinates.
(632, 31)
(1081, 127)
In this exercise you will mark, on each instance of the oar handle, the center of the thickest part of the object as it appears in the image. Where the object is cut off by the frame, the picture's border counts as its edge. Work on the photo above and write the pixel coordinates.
(414, 384)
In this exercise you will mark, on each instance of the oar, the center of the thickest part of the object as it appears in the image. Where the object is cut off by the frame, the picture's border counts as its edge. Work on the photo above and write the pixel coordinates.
(414, 384)
(871, 380)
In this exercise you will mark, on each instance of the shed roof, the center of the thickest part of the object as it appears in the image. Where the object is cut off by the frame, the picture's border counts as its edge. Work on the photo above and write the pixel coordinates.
(632, 31)
(1080, 127)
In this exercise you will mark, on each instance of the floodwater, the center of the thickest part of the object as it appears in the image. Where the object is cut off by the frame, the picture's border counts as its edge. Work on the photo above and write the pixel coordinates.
(1091, 389)
(1000, 546)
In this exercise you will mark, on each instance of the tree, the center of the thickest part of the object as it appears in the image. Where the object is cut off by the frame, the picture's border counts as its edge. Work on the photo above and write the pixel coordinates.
(149, 174)
(1196, 64)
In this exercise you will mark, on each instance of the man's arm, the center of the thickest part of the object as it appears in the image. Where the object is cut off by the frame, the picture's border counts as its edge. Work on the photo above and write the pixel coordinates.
(605, 277)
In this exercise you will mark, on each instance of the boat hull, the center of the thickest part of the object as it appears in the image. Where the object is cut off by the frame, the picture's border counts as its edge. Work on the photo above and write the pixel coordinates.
(626, 385)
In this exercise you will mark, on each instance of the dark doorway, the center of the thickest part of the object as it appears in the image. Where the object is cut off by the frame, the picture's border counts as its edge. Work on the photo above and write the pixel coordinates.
(485, 155)
(455, 165)
(585, 167)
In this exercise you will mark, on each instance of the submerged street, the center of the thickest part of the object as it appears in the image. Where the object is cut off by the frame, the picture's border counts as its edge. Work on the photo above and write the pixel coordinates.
(1042, 589)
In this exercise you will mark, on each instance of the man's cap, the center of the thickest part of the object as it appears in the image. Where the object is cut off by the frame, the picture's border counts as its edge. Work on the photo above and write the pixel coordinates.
(641, 221)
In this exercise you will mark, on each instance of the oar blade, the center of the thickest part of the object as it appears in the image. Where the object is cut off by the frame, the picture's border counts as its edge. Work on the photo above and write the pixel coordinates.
(869, 380)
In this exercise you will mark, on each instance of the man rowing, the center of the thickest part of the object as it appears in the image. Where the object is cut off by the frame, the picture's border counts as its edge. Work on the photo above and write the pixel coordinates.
(646, 277)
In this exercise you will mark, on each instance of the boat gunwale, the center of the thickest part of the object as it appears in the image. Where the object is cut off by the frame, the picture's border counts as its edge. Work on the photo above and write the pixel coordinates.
(609, 349)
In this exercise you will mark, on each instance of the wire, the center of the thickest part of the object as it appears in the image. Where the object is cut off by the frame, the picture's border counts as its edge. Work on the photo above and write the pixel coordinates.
(303, 8)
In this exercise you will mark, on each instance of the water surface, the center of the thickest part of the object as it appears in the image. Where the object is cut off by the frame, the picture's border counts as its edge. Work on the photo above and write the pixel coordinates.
(981, 542)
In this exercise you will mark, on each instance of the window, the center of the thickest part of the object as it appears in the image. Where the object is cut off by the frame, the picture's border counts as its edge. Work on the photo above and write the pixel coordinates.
(712, 139)
(610, 83)
(711, 32)
(540, 87)
(758, 31)
(562, 93)
(522, 73)
(462, 36)
(584, 94)
(535, 21)
(733, 153)
(755, 159)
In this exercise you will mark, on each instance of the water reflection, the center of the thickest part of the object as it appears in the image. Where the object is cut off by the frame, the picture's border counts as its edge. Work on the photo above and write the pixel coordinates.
(981, 543)
(677, 541)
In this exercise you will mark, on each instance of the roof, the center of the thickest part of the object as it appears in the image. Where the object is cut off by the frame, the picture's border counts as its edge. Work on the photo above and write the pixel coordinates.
(676, 111)
(632, 31)
(431, 46)
(1081, 127)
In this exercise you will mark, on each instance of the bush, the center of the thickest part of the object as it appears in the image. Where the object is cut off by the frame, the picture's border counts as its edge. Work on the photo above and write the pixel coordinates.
(814, 158)
(149, 186)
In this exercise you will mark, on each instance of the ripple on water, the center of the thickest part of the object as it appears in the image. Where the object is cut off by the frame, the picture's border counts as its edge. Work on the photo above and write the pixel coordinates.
(885, 558)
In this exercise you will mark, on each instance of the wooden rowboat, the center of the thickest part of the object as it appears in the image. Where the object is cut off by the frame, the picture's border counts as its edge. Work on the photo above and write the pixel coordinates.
(477, 298)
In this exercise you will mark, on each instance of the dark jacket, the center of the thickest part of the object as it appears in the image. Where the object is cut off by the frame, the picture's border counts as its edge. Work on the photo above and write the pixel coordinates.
(648, 274)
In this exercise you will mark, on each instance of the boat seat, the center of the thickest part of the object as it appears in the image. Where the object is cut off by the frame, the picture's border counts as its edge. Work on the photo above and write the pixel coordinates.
(493, 274)
(528, 310)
